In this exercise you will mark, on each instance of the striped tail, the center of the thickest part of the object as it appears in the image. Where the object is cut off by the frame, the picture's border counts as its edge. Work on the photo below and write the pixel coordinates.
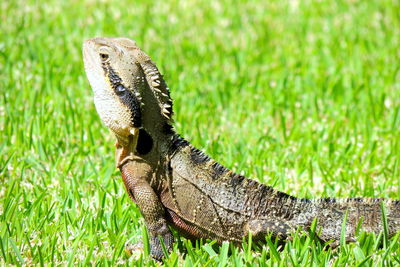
(362, 213)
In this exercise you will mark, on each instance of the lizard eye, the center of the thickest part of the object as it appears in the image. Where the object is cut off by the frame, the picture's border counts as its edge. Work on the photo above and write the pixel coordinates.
(120, 90)
(104, 57)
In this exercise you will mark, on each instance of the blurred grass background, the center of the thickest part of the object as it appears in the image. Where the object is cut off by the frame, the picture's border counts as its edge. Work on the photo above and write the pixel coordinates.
(301, 95)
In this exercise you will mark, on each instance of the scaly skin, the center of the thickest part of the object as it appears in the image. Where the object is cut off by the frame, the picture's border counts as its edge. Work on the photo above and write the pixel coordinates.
(175, 184)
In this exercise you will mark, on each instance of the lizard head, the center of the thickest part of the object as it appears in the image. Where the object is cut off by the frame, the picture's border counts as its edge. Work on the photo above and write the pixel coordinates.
(129, 91)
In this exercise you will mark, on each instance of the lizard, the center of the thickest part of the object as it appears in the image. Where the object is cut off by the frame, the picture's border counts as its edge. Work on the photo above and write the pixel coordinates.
(176, 185)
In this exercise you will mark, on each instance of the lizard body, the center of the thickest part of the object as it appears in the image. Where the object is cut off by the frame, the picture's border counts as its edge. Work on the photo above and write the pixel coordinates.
(175, 184)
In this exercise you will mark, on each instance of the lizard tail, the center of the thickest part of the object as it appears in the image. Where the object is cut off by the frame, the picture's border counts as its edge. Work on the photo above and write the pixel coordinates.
(362, 213)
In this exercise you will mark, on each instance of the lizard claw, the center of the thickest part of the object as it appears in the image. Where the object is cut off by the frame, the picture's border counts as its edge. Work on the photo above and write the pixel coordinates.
(156, 251)
(134, 250)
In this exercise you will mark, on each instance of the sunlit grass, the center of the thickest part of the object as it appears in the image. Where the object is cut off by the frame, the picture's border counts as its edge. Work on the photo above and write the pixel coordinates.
(301, 95)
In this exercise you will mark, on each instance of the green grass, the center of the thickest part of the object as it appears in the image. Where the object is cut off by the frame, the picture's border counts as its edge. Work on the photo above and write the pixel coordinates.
(301, 95)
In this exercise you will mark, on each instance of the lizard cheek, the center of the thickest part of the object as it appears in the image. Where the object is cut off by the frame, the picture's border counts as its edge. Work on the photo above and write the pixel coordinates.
(113, 114)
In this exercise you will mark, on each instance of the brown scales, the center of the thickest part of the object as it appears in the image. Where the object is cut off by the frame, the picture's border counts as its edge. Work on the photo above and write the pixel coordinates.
(177, 185)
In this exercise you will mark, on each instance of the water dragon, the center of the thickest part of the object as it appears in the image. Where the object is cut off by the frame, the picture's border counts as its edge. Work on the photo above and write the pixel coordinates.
(176, 185)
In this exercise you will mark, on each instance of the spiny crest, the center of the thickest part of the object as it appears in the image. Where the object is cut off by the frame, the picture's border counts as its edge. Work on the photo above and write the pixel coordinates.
(177, 142)
(198, 156)
(158, 87)
(139, 80)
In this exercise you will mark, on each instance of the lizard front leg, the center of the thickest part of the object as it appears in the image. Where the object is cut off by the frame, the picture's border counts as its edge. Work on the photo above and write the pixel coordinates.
(136, 175)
